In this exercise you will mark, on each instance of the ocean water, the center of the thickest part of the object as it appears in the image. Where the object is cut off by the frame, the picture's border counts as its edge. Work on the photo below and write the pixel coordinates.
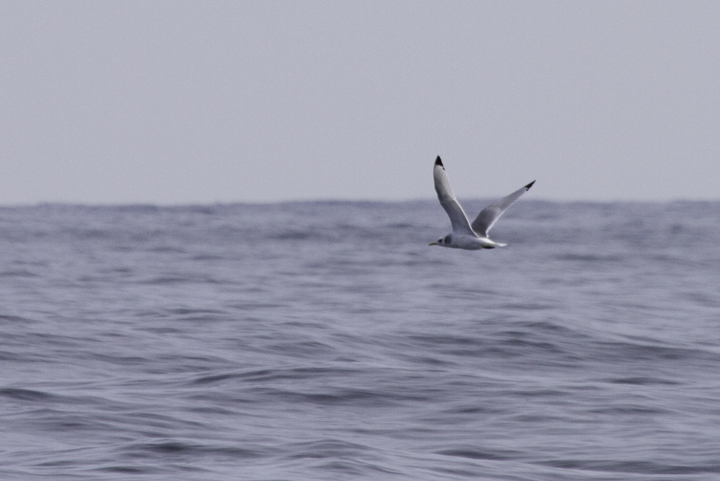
(328, 341)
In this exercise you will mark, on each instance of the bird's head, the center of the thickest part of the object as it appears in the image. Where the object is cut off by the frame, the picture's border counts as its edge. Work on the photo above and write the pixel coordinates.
(443, 241)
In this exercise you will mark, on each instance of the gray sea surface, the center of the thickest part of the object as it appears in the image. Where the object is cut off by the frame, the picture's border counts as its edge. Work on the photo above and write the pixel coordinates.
(328, 341)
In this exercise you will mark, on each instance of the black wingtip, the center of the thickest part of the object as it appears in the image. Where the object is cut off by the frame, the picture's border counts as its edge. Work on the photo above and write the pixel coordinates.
(439, 162)
(527, 187)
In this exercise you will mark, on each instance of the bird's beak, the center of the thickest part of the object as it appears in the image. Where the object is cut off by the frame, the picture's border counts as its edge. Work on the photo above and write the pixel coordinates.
(433, 243)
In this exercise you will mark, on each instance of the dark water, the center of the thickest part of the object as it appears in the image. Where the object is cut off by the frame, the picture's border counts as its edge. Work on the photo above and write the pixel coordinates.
(327, 341)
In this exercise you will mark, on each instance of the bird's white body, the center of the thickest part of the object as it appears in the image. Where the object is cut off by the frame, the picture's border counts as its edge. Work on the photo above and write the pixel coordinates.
(467, 242)
(465, 235)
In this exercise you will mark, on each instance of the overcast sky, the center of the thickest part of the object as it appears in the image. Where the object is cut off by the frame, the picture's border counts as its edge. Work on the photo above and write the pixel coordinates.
(199, 102)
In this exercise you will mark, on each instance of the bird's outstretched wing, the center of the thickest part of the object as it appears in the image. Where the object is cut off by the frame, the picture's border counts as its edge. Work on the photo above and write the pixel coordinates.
(458, 219)
(490, 214)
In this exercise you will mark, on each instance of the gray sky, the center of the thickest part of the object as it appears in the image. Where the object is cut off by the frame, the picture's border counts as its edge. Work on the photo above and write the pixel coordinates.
(197, 102)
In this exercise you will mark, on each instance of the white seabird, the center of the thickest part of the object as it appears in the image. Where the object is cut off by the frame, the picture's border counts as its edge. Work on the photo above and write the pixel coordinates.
(465, 235)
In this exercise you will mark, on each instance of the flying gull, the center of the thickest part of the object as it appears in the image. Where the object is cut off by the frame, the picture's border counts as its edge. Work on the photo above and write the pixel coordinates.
(465, 235)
